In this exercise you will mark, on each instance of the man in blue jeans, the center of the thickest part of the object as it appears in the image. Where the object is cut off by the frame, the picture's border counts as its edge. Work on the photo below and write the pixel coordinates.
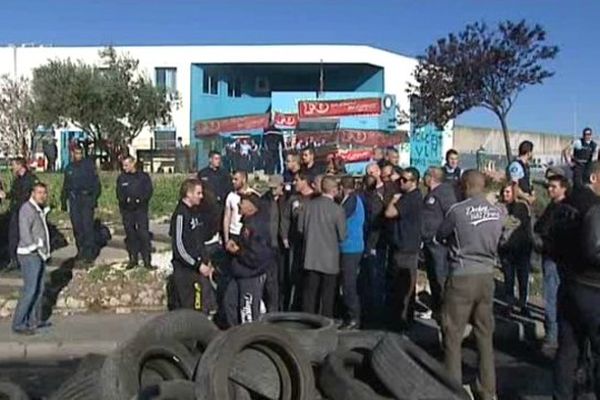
(545, 227)
(32, 252)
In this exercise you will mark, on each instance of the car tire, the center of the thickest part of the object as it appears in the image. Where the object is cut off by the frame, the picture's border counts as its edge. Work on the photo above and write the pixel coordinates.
(12, 391)
(84, 383)
(168, 390)
(316, 334)
(359, 340)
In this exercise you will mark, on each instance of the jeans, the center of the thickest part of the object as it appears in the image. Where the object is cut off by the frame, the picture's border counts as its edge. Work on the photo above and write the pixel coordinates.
(551, 283)
(518, 264)
(29, 308)
(578, 324)
(350, 266)
(470, 298)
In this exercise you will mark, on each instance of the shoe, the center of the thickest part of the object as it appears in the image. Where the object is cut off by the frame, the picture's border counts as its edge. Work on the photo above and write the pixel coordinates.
(350, 325)
(428, 314)
(24, 332)
(131, 265)
(149, 267)
(44, 324)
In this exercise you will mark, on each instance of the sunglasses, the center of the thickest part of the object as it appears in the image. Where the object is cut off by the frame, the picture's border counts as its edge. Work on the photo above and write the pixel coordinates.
(404, 180)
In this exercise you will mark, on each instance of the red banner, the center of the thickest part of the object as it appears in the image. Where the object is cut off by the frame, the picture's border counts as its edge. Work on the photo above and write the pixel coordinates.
(350, 156)
(285, 121)
(339, 108)
(207, 127)
(357, 137)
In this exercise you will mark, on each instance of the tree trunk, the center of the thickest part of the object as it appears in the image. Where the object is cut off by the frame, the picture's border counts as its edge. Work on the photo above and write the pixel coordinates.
(506, 138)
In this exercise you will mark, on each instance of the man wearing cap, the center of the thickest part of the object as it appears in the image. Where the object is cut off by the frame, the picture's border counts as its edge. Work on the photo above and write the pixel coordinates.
(252, 258)
(274, 202)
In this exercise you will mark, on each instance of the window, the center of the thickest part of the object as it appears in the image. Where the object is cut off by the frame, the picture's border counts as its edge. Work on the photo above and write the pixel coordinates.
(166, 78)
(210, 84)
(234, 88)
(165, 139)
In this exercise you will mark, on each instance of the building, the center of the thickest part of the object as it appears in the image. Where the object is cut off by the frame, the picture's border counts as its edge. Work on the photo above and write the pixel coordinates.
(217, 91)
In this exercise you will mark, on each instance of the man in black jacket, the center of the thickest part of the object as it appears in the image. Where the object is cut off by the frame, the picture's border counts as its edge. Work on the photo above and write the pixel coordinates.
(215, 178)
(252, 257)
(134, 190)
(191, 265)
(19, 193)
(80, 192)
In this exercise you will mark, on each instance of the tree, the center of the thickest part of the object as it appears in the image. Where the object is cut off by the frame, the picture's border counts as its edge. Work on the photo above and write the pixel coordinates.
(480, 67)
(112, 102)
(17, 123)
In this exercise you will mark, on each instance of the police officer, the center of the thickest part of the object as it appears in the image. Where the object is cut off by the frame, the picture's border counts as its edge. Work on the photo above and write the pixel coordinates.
(19, 193)
(440, 197)
(520, 175)
(252, 257)
(580, 154)
(80, 192)
(189, 285)
(134, 190)
(215, 178)
(452, 171)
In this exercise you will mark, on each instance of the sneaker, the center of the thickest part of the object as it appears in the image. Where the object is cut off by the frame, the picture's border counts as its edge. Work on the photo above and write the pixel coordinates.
(131, 265)
(350, 325)
(428, 314)
(44, 324)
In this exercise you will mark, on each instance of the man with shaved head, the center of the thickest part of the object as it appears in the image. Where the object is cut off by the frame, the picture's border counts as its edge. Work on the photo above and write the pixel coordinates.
(472, 230)
(440, 197)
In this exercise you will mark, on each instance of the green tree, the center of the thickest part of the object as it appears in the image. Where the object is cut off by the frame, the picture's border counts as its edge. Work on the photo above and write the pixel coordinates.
(480, 67)
(17, 122)
(112, 101)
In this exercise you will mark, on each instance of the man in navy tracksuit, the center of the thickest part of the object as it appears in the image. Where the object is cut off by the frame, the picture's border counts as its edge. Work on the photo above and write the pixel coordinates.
(134, 190)
(192, 269)
(252, 257)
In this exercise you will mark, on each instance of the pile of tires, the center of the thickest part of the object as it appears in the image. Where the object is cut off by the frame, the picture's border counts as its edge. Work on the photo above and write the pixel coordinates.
(181, 355)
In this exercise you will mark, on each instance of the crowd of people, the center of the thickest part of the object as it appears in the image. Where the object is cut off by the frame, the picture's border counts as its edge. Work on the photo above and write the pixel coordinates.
(350, 248)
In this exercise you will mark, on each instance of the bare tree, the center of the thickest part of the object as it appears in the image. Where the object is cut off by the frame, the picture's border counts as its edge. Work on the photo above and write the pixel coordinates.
(17, 123)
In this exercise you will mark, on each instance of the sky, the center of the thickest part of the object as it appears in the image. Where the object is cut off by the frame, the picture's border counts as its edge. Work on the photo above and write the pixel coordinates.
(565, 103)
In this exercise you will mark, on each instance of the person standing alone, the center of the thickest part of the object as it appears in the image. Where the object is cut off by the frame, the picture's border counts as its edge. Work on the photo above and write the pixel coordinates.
(134, 190)
(32, 252)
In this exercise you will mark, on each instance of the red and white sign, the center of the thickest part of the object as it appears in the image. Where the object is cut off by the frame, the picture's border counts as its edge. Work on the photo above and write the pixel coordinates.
(358, 138)
(207, 127)
(350, 156)
(339, 108)
(285, 121)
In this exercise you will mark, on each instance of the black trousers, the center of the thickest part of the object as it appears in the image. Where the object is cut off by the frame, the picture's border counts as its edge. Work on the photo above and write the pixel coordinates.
(13, 235)
(292, 277)
(242, 300)
(190, 289)
(272, 290)
(578, 325)
(401, 306)
(350, 267)
(137, 234)
(319, 290)
(81, 211)
(437, 271)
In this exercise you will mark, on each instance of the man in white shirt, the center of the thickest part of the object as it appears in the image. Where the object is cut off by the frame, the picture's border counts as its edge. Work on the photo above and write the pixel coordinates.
(232, 220)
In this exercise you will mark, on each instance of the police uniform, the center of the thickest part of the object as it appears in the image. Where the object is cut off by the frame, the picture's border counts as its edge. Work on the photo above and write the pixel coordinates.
(248, 269)
(519, 173)
(81, 189)
(134, 191)
(218, 181)
(435, 206)
(20, 192)
(452, 174)
(583, 152)
(188, 288)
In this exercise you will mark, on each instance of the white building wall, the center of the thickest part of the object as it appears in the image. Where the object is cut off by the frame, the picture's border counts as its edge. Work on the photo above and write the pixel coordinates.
(397, 69)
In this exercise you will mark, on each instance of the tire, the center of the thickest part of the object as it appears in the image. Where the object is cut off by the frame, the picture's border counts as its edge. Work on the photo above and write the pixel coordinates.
(12, 391)
(84, 383)
(122, 373)
(262, 371)
(168, 390)
(359, 340)
(316, 334)
(337, 380)
(189, 327)
(410, 373)
(212, 374)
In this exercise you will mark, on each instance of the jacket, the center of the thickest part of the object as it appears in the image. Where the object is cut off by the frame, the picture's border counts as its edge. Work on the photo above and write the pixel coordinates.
(255, 256)
(374, 218)
(34, 237)
(435, 206)
(472, 229)
(354, 210)
(406, 233)
(218, 181)
(20, 190)
(80, 178)
(291, 216)
(275, 209)
(134, 190)
(188, 233)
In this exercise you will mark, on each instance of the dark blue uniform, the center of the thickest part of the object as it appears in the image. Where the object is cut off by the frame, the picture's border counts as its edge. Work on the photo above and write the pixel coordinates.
(218, 181)
(248, 269)
(435, 206)
(583, 153)
(134, 191)
(20, 192)
(81, 189)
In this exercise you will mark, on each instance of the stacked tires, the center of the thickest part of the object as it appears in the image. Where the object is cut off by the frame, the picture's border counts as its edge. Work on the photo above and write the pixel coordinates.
(181, 355)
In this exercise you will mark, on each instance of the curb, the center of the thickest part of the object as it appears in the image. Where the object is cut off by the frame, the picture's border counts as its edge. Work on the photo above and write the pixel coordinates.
(15, 351)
